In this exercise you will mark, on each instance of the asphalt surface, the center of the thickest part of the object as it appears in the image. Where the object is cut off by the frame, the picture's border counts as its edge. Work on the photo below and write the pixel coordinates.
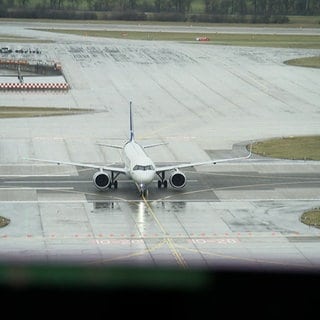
(207, 101)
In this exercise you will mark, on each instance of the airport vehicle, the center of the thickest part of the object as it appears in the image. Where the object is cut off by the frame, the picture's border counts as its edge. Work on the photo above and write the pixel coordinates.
(138, 166)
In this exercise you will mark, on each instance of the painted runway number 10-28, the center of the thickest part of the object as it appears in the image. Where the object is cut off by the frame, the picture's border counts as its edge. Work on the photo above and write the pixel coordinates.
(141, 241)
(214, 240)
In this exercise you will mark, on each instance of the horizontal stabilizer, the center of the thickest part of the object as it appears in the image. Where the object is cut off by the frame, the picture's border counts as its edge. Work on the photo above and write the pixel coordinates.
(155, 145)
(110, 145)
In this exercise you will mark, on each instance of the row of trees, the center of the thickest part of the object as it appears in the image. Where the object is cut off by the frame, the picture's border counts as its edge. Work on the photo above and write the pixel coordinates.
(177, 8)
(269, 7)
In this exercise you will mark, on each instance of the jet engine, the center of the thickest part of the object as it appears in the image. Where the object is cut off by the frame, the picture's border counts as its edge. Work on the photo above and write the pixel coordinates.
(101, 180)
(178, 180)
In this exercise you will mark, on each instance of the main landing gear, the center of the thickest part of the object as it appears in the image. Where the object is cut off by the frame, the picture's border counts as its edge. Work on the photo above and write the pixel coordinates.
(162, 182)
(114, 182)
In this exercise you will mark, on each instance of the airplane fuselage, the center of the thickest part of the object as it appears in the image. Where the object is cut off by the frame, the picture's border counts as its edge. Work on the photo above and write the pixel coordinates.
(140, 168)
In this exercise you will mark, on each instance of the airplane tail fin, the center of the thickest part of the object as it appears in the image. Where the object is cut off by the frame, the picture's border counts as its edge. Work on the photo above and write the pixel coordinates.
(131, 124)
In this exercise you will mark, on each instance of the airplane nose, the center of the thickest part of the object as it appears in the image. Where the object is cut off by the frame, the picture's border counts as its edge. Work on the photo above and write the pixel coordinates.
(143, 177)
(146, 177)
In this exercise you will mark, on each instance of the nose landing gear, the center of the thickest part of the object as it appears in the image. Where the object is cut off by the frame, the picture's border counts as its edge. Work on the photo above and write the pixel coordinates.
(143, 190)
(144, 193)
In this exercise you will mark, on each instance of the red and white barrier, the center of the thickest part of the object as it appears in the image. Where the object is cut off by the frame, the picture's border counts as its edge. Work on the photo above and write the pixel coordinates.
(34, 86)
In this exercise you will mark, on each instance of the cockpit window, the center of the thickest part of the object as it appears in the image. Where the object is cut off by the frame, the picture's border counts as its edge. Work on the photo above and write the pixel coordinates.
(143, 168)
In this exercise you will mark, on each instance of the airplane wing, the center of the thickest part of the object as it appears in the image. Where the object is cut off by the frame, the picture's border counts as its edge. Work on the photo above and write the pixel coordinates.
(194, 164)
(84, 165)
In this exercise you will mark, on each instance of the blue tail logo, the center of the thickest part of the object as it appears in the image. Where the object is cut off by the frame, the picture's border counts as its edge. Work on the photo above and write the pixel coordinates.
(131, 124)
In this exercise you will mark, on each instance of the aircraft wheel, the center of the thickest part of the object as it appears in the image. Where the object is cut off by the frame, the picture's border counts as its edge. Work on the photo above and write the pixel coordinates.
(115, 184)
(165, 183)
(159, 184)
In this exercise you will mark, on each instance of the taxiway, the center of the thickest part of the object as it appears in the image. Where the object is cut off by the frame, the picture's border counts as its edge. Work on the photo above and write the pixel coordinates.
(206, 101)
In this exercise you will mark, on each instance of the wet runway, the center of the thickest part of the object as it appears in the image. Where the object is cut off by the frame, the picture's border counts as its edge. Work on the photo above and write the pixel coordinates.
(238, 216)
(206, 101)
(201, 186)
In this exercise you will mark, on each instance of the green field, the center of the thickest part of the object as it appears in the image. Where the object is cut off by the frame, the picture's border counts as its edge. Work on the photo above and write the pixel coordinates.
(311, 62)
(4, 221)
(295, 148)
(25, 112)
(311, 217)
(4, 38)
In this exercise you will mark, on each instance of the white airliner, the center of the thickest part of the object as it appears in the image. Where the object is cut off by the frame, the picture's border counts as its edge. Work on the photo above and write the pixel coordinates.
(139, 167)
